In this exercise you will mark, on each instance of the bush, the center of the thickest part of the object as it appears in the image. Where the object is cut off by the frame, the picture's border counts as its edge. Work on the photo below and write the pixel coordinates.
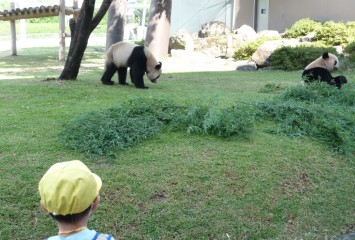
(350, 51)
(247, 49)
(332, 33)
(290, 59)
(302, 28)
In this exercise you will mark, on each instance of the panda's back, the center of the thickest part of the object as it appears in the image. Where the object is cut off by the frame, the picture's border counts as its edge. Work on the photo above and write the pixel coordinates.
(120, 53)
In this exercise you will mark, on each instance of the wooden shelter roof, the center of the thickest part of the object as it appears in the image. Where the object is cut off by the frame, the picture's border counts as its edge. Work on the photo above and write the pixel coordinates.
(32, 12)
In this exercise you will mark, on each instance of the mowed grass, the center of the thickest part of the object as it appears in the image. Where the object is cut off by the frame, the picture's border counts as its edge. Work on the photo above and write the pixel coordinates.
(174, 185)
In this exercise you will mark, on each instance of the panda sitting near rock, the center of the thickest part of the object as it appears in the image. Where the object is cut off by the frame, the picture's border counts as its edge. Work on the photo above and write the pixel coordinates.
(319, 70)
(139, 59)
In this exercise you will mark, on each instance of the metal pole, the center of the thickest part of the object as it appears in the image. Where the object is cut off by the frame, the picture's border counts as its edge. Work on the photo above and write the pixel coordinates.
(13, 32)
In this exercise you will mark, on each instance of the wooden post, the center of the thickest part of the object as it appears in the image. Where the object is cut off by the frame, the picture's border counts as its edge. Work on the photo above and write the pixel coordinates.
(13, 32)
(62, 30)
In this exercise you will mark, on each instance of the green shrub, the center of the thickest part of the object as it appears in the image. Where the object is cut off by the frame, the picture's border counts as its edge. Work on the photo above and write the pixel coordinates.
(351, 30)
(332, 33)
(302, 28)
(247, 49)
(140, 42)
(290, 59)
(350, 51)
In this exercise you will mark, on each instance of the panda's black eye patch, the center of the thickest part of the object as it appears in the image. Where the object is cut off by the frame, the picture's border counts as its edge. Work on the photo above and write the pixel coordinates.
(335, 63)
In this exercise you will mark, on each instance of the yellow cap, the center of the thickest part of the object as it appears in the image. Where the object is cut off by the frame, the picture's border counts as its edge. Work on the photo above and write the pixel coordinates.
(68, 188)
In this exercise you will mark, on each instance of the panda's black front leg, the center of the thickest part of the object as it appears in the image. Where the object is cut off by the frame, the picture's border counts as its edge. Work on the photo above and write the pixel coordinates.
(122, 75)
(109, 72)
(137, 78)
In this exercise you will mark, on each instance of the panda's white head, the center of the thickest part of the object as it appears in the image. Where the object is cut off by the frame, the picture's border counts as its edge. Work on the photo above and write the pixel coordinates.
(154, 71)
(328, 61)
(331, 61)
(153, 66)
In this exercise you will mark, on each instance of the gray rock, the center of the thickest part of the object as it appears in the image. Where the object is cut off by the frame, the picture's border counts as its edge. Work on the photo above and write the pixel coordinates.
(268, 33)
(182, 39)
(246, 33)
(308, 37)
(214, 28)
(246, 65)
(262, 56)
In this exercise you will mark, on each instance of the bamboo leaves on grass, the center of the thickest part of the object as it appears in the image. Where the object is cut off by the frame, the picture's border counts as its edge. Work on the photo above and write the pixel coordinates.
(319, 111)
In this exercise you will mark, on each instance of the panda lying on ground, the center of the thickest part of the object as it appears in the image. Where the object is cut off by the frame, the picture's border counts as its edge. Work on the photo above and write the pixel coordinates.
(319, 70)
(139, 59)
(323, 75)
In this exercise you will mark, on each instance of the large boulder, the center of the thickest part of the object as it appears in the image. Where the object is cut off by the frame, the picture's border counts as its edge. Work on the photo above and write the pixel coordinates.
(308, 38)
(182, 39)
(262, 56)
(214, 28)
(269, 34)
(246, 33)
(246, 65)
(218, 46)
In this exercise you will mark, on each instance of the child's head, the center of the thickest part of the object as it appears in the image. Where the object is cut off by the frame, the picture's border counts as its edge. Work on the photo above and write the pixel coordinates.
(68, 190)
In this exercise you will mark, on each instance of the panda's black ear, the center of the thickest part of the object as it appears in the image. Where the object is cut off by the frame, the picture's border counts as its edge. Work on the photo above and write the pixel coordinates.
(158, 66)
(325, 55)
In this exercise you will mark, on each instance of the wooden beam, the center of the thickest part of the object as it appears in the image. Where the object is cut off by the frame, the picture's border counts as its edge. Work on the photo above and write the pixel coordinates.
(28, 15)
(34, 13)
(61, 56)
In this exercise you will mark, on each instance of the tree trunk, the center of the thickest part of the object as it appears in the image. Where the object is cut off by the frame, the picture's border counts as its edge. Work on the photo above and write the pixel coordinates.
(81, 31)
(116, 21)
(158, 31)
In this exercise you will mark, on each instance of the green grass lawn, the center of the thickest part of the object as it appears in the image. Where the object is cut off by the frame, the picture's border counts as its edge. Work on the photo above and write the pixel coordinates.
(174, 185)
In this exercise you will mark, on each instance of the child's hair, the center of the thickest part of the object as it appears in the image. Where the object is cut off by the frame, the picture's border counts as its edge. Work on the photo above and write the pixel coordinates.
(71, 218)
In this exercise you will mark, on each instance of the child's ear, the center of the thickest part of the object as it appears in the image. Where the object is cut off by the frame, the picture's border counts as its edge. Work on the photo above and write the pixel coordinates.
(44, 209)
(95, 204)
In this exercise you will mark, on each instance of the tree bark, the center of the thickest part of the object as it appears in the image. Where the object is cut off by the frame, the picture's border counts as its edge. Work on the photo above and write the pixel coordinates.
(116, 22)
(158, 31)
(81, 31)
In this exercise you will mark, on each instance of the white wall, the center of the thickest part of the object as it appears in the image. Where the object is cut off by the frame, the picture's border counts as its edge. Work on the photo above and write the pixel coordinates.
(192, 14)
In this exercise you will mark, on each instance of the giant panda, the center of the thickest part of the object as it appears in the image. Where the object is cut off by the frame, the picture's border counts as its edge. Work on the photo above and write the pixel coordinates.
(320, 70)
(322, 74)
(139, 59)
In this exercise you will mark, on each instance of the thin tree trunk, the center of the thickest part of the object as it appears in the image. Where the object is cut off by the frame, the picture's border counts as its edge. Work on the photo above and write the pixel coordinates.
(116, 22)
(80, 35)
(157, 39)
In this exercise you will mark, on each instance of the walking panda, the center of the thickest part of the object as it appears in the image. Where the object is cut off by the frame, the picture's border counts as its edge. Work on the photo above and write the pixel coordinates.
(139, 59)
